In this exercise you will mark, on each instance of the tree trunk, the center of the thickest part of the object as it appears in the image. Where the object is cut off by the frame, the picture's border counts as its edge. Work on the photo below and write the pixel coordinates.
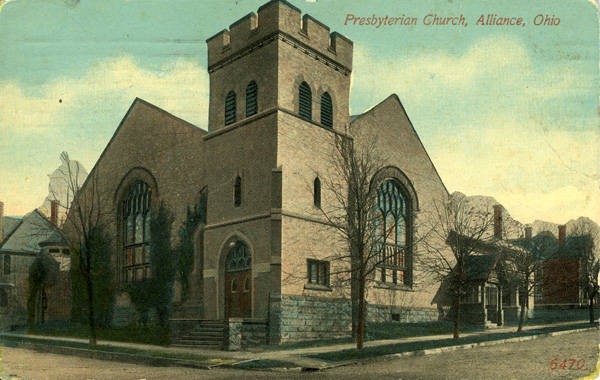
(521, 317)
(360, 336)
(354, 299)
(591, 308)
(90, 294)
(456, 330)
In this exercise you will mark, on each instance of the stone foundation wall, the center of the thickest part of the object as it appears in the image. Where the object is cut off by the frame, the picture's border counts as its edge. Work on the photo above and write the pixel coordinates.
(382, 313)
(123, 316)
(254, 333)
(312, 318)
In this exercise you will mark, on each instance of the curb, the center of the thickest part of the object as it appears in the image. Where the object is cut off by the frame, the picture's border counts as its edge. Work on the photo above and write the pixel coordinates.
(440, 350)
(157, 361)
(433, 351)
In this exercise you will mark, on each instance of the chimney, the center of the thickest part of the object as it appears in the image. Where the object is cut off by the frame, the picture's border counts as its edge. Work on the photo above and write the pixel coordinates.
(498, 221)
(528, 230)
(54, 212)
(1, 221)
(562, 232)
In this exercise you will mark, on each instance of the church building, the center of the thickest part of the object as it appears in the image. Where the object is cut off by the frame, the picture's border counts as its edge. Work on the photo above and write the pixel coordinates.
(262, 260)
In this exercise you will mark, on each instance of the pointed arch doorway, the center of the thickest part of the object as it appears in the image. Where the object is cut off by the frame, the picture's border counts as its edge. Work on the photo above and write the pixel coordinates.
(238, 282)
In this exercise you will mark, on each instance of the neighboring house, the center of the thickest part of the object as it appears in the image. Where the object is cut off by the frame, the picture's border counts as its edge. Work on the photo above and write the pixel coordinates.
(491, 295)
(279, 96)
(22, 241)
(564, 272)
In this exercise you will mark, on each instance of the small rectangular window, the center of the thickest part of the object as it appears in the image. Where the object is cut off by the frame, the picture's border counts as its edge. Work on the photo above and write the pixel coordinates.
(318, 272)
(6, 264)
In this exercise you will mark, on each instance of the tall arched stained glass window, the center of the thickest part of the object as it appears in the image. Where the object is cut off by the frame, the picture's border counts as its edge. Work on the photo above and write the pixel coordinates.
(136, 232)
(392, 223)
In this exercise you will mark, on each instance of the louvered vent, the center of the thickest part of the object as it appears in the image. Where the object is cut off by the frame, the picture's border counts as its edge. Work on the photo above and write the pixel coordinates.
(251, 99)
(326, 111)
(305, 109)
(230, 108)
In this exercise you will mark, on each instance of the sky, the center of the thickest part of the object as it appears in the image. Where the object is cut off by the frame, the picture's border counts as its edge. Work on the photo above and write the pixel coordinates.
(508, 111)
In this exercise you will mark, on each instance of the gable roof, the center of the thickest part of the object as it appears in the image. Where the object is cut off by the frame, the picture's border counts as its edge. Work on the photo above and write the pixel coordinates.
(393, 105)
(9, 224)
(32, 230)
(139, 103)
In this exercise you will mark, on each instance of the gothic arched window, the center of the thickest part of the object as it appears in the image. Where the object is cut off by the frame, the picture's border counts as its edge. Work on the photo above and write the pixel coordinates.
(136, 232)
(305, 99)
(251, 99)
(326, 111)
(393, 223)
(230, 107)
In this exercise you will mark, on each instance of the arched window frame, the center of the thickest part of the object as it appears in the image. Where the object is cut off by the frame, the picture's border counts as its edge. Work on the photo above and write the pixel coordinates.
(251, 98)
(136, 219)
(230, 108)
(394, 223)
(317, 192)
(305, 101)
(326, 111)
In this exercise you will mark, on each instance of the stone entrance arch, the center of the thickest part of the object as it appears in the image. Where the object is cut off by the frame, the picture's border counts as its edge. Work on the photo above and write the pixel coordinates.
(238, 281)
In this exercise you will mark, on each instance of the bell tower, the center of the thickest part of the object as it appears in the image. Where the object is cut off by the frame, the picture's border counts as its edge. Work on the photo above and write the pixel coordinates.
(279, 60)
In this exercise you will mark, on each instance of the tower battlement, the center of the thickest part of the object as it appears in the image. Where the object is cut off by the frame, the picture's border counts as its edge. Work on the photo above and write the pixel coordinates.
(279, 16)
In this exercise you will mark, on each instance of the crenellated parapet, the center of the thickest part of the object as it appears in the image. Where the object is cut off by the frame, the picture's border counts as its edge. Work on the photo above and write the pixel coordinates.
(279, 19)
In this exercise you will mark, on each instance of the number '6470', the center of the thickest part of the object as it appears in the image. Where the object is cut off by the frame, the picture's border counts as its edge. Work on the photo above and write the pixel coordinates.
(567, 364)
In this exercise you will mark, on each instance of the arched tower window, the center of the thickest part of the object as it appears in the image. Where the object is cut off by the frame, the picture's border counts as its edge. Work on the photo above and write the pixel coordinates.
(136, 232)
(326, 111)
(251, 99)
(305, 99)
(317, 192)
(230, 108)
(393, 231)
(237, 191)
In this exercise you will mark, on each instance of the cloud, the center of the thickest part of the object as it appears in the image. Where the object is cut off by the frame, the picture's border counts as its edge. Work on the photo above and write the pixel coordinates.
(496, 124)
(80, 114)
(180, 88)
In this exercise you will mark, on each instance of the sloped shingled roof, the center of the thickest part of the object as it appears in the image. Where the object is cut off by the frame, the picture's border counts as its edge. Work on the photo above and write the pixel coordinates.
(33, 229)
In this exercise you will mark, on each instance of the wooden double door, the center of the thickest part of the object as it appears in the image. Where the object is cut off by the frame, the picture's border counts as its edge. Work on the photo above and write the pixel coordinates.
(238, 294)
(238, 282)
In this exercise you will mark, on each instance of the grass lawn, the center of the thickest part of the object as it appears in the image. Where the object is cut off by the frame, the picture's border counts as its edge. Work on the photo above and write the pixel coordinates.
(133, 334)
(352, 354)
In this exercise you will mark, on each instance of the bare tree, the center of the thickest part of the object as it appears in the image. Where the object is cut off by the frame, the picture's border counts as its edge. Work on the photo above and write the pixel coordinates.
(352, 214)
(526, 266)
(584, 237)
(84, 230)
(456, 234)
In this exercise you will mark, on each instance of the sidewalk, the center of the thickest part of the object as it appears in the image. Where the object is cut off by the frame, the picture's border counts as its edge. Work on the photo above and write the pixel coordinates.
(280, 357)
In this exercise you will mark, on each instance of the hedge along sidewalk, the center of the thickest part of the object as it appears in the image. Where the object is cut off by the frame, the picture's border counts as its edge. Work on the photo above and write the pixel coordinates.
(126, 352)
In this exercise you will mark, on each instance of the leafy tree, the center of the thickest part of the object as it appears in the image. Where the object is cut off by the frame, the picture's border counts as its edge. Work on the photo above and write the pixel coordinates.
(42, 273)
(157, 291)
(100, 272)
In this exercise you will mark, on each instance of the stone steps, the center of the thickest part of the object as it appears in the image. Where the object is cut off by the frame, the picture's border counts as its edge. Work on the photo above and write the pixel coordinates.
(197, 333)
